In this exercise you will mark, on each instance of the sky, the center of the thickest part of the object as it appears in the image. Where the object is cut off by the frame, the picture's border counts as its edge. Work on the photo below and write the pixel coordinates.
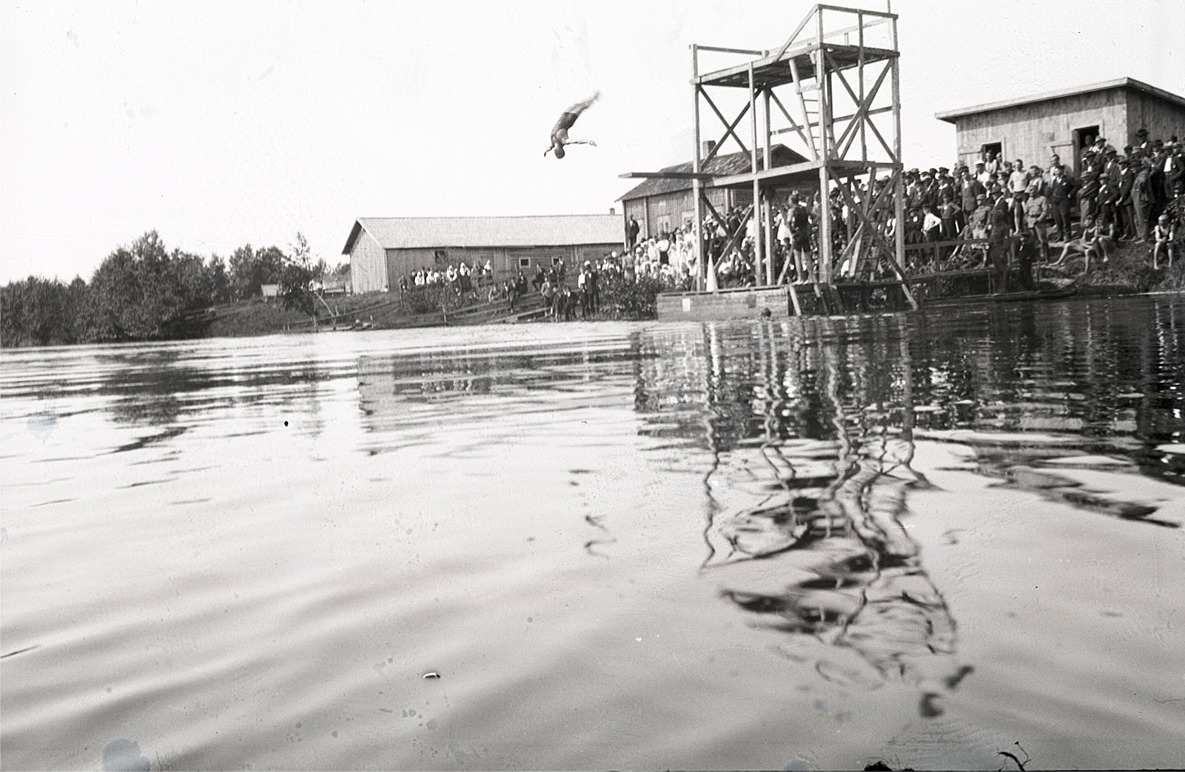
(220, 124)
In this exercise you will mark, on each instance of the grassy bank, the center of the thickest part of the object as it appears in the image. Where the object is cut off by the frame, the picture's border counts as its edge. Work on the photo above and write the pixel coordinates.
(1130, 269)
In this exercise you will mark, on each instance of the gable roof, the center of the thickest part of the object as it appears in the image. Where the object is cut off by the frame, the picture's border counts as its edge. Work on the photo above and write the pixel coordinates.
(950, 115)
(732, 163)
(457, 232)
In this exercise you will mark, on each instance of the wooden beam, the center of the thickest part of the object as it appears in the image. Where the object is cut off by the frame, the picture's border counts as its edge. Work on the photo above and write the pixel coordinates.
(721, 50)
(794, 35)
(836, 168)
(806, 115)
(696, 184)
(729, 127)
(667, 175)
(807, 142)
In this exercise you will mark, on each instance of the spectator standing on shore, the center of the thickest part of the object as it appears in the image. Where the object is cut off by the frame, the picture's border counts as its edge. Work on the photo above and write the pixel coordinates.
(1124, 207)
(632, 230)
(663, 248)
(1055, 164)
(970, 189)
(1036, 213)
(593, 284)
(948, 211)
(982, 174)
(1142, 200)
(550, 294)
(1174, 170)
(582, 289)
(999, 227)
(1018, 181)
(991, 163)
(1156, 179)
(1142, 144)
(1163, 234)
(1061, 197)
(1088, 189)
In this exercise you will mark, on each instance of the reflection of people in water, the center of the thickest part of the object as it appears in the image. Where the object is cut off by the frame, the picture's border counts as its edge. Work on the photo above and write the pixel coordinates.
(559, 132)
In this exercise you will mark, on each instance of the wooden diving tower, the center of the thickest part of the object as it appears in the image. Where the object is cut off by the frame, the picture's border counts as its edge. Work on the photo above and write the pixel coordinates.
(829, 92)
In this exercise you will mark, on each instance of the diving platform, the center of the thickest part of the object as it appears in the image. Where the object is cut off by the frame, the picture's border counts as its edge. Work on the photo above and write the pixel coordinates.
(829, 93)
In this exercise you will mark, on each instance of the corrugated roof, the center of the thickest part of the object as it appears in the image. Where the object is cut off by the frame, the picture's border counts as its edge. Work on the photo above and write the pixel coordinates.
(443, 232)
(733, 163)
(1168, 96)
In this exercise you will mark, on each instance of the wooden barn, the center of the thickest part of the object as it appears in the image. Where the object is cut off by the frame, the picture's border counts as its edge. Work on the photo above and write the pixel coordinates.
(1066, 122)
(662, 205)
(384, 249)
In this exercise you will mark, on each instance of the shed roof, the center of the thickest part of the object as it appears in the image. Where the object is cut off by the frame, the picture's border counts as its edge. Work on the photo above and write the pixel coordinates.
(950, 115)
(722, 165)
(528, 231)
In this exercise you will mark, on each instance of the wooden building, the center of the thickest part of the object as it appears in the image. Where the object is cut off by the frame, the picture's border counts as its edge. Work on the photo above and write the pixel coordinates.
(1066, 122)
(384, 249)
(663, 204)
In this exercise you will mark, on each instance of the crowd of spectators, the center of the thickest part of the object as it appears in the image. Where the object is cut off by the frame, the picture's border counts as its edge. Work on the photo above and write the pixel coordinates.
(1137, 195)
(977, 215)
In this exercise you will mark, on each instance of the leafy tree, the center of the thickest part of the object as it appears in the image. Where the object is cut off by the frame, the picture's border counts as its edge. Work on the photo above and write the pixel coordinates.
(34, 313)
(296, 278)
(218, 280)
(143, 292)
(250, 268)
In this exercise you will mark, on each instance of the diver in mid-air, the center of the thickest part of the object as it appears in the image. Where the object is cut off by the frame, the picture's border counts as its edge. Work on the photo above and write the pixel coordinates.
(559, 132)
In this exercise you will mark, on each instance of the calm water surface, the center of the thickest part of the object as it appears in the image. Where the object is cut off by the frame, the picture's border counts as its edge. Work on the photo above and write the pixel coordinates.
(930, 540)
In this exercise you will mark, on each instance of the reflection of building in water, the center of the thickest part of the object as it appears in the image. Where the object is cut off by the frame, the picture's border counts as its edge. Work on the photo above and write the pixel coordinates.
(810, 431)
(403, 396)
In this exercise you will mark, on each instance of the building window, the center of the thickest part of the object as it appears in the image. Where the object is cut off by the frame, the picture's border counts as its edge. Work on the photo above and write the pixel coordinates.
(524, 262)
(441, 255)
(992, 150)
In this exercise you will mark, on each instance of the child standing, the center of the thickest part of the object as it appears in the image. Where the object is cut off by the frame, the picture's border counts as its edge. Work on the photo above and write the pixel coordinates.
(1163, 234)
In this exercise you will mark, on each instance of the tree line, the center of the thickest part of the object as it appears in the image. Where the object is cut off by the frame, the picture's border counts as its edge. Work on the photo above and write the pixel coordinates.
(144, 291)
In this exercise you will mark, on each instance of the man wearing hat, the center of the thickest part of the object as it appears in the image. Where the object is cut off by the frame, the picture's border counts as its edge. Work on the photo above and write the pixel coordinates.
(1001, 221)
(1142, 142)
(1141, 197)
(1123, 202)
(977, 220)
(1160, 155)
(1088, 190)
(1036, 214)
(1061, 198)
(1107, 199)
(968, 188)
(981, 173)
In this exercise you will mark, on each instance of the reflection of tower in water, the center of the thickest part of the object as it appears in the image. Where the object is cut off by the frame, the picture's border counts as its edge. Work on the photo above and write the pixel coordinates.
(810, 429)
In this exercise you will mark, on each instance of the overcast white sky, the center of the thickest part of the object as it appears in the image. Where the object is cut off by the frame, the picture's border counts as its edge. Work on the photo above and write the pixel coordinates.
(225, 123)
